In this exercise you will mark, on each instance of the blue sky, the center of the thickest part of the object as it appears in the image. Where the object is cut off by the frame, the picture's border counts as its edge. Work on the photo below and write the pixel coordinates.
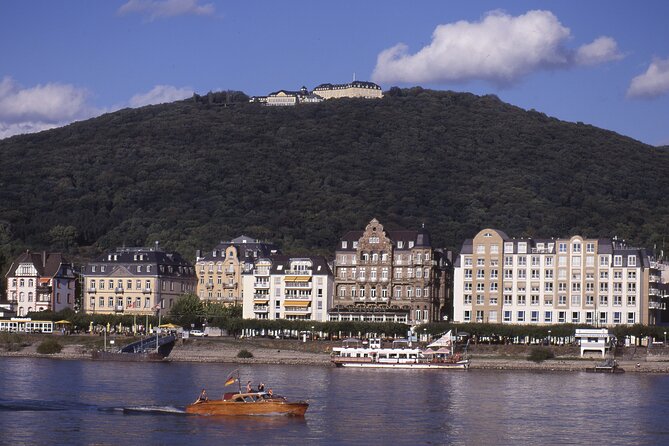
(605, 63)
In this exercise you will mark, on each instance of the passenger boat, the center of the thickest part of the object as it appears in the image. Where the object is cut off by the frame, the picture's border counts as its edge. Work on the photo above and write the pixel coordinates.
(608, 366)
(399, 356)
(247, 404)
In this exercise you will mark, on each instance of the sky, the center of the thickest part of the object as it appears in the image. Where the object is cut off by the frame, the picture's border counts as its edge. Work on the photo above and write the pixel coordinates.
(600, 62)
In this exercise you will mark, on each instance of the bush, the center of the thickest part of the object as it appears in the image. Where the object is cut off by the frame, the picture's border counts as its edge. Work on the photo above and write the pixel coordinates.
(49, 347)
(244, 354)
(540, 354)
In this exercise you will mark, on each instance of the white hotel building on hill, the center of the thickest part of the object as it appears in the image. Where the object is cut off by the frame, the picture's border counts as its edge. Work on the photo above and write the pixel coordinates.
(498, 279)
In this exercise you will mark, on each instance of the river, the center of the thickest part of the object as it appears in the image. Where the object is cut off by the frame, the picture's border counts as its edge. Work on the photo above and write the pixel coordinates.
(45, 401)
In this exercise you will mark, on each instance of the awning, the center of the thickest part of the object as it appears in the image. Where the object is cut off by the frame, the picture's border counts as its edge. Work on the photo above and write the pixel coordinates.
(297, 303)
(170, 326)
(289, 278)
(63, 322)
(302, 279)
(260, 301)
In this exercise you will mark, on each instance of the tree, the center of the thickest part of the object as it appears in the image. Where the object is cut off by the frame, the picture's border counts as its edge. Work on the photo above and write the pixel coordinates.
(187, 310)
(63, 237)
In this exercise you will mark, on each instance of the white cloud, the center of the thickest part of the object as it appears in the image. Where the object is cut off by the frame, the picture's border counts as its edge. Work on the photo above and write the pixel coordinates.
(603, 49)
(166, 8)
(654, 82)
(161, 94)
(499, 49)
(28, 110)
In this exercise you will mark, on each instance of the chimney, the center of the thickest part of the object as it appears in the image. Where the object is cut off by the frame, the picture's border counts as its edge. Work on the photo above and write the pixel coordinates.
(43, 259)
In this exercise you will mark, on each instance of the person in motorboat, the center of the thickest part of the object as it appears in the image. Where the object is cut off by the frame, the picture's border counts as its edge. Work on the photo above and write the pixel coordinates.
(203, 397)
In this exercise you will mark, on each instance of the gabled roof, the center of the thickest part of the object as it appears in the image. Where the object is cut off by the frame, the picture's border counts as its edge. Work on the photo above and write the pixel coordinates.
(47, 264)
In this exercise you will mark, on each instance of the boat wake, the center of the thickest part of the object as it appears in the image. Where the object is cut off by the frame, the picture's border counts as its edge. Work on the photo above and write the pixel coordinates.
(161, 410)
(40, 405)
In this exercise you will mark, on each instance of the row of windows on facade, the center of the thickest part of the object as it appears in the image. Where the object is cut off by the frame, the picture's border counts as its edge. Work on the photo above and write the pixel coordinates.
(419, 315)
(548, 274)
(521, 299)
(277, 305)
(399, 292)
(149, 268)
(100, 285)
(604, 261)
(562, 287)
(548, 317)
(375, 257)
(374, 240)
(399, 273)
(129, 302)
(40, 297)
(576, 247)
(31, 283)
(290, 294)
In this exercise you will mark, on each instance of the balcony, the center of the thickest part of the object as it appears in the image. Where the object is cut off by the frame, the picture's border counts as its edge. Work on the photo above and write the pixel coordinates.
(657, 305)
(261, 272)
(119, 290)
(43, 289)
(298, 272)
(118, 309)
(91, 290)
(230, 285)
(303, 285)
(261, 308)
(230, 271)
(210, 286)
(146, 291)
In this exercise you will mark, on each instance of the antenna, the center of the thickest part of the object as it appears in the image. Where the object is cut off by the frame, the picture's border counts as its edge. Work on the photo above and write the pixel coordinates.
(354, 76)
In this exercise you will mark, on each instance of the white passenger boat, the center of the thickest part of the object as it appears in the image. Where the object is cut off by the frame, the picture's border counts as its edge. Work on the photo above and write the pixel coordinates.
(398, 356)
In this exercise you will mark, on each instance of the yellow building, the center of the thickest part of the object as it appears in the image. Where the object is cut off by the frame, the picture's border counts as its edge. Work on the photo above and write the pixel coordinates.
(355, 89)
(219, 271)
(138, 281)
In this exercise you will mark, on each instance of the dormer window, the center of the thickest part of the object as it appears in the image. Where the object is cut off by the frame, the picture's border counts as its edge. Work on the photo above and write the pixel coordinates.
(400, 244)
(411, 244)
(344, 244)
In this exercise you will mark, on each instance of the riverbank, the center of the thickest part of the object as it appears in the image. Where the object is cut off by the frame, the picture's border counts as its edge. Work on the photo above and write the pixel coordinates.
(283, 351)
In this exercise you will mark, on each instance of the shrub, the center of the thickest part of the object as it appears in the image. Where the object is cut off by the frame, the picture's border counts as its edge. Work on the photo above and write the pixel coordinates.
(244, 354)
(49, 347)
(540, 354)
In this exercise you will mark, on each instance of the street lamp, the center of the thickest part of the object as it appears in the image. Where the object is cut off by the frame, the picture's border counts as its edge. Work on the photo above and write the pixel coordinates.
(665, 338)
(549, 337)
(312, 332)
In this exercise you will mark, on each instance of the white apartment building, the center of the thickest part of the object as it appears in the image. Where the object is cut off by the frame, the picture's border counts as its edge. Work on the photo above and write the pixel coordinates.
(601, 282)
(293, 288)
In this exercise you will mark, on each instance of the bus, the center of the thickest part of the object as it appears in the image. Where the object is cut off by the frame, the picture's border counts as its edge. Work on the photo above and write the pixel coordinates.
(25, 325)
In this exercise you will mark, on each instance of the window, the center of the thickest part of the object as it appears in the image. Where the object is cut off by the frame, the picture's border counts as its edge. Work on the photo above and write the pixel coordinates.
(602, 317)
(549, 261)
(521, 299)
(479, 315)
(548, 316)
(576, 261)
(590, 248)
(522, 247)
(508, 247)
(508, 261)
(630, 318)
(507, 316)
(562, 299)
(480, 262)
(603, 300)
(617, 317)
(508, 274)
(603, 261)
(534, 299)
(631, 300)
(631, 275)
(548, 274)
(493, 274)
(520, 316)
(575, 316)
(467, 316)
(468, 273)
(522, 261)
(468, 261)
(467, 299)
(494, 249)
(508, 299)
(479, 299)
(562, 247)
(617, 260)
(548, 287)
(534, 315)
(480, 274)
(480, 249)
(576, 247)
(631, 260)
(492, 316)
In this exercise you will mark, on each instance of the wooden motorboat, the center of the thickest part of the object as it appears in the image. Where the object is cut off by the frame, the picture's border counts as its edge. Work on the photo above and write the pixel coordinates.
(255, 403)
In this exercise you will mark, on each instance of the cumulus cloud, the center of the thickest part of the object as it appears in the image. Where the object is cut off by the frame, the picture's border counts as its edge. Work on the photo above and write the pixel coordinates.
(654, 82)
(500, 49)
(603, 49)
(160, 94)
(43, 107)
(166, 8)
(27, 110)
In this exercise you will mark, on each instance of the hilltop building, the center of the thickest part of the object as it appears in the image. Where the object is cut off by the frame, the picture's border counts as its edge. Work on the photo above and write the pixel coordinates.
(137, 281)
(219, 271)
(575, 280)
(40, 282)
(355, 89)
(283, 287)
(383, 275)
(287, 98)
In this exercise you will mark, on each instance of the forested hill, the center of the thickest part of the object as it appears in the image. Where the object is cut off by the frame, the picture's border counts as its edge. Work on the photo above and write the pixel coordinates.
(195, 172)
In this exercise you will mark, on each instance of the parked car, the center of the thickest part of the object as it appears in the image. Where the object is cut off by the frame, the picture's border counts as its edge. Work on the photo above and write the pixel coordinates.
(197, 333)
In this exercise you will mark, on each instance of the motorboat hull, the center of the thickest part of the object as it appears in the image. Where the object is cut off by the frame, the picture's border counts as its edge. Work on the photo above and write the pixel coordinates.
(262, 408)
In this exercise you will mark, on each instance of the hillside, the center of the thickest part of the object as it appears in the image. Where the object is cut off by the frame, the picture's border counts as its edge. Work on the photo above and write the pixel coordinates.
(192, 173)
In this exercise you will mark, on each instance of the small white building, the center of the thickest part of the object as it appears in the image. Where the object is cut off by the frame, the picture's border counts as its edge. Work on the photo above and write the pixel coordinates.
(293, 288)
(594, 339)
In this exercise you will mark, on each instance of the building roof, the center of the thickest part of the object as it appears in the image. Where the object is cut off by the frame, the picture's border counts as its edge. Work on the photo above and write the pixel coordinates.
(281, 263)
(248, 249)
(420, 238)
(172, 262)
(47, 264)
(354, 84)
